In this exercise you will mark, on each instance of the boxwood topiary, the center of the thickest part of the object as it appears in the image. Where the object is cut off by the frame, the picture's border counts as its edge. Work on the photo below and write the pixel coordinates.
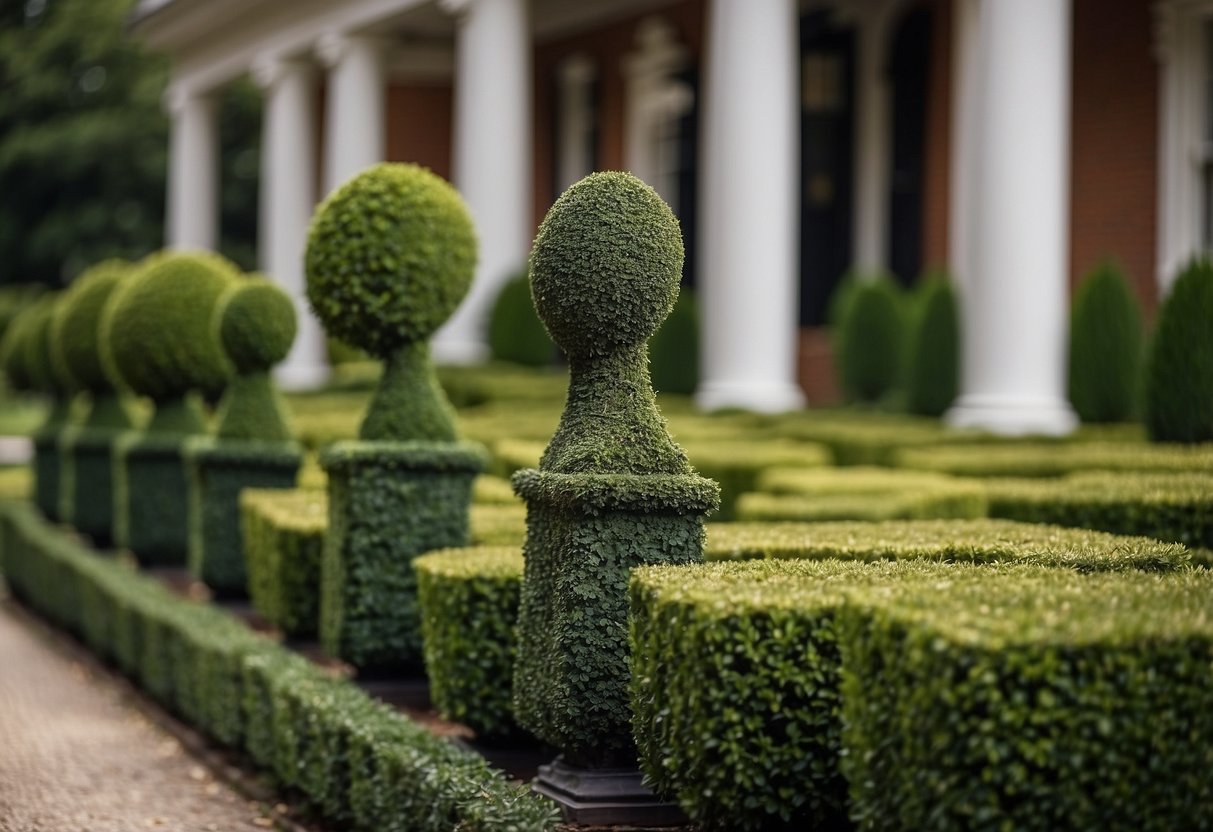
(43, 374)
(933, 354)
(870, 341)
(390, 255)
(86, 490)
(612, 490)
(515, 332)
(1179, 375)
(1105, 347)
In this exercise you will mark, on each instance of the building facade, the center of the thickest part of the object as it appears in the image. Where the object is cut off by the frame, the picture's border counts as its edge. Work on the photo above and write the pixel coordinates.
(1013, 143)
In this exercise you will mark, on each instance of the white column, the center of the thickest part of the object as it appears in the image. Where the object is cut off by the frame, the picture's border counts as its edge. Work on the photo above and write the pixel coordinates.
(288, 196)
(354, 131)
(873, 130)
(1013, 378)
(491, 158)
(749, 277)
(193, 171)
(964, 132)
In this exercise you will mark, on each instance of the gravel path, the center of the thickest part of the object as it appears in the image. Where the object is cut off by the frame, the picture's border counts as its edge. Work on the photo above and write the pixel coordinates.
(76, 756)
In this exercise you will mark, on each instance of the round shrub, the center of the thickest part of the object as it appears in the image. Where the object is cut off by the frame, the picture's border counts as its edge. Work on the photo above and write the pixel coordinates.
(12, 352)
(1105, 348)
(515, 332)
(870, 340)
(76, 327)
(1179, 376)
(36, 347)
(674, 350)
(390, 255)
(257, 325)
(933, 354)
(157, 335)
(606, 264)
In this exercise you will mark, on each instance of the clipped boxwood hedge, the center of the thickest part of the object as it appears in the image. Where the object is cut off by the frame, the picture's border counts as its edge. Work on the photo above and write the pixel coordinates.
(1035, 702)
(736, 465)
(367, 767)
(1053, 459)
(283, 544)
(861, 493)
(978, 541)
(1174, 507)
(469, 607)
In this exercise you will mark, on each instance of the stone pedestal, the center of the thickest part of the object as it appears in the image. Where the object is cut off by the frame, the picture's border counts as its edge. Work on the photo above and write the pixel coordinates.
(600, 796)
(388, 503)
(218, 472)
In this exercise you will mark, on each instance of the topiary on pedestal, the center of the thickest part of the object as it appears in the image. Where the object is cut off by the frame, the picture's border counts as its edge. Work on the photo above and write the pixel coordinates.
(1105, 348)
(933, 360)
(157, 341)
(1179, 370)
(612, 490)
(255, 324)
(86, 488)
(390, 255)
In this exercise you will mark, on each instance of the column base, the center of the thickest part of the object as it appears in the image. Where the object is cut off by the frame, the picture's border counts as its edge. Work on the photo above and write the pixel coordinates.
(302, 377)
(1012, 415)
(758, 396)
(593, 797)
(458, 352)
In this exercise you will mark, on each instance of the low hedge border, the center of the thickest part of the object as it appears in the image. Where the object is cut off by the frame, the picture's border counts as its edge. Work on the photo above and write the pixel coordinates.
(469, 608)
(283, 544)
(978, 541)
(860, 493)
(358, 761)
(1173, 507)
(1055, 459)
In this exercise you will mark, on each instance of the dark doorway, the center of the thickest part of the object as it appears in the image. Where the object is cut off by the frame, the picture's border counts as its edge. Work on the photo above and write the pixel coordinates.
(909, 79)
(827, 132)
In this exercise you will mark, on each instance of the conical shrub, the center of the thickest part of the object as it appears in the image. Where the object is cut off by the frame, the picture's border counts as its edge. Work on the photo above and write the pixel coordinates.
(1105, 348)
(674, 350)
(870, 339)
(515, 332)
(1179, 373)
(933, 349)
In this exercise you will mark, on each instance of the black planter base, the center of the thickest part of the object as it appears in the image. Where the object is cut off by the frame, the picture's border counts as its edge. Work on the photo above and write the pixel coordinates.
(604, 796)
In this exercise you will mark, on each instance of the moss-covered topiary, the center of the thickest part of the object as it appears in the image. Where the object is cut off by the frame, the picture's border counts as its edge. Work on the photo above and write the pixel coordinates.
(612, 490)
(86, 487)
(870, 341)
(933, 355)
(674, 350)
(1179, 373)
(390, 255)
(515, 332)
(1105, 348)
(42, 374)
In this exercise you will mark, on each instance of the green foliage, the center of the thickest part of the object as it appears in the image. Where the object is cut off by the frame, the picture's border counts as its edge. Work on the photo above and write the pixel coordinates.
(409, 404)
(870, 339)
(256, 324)
(674, 350)
(979, 541)
(515, 332)
(933, 360)
(390, 254)
(83, 139)
(1054, 459)
(1105, 347)
(151, 498)
(76, 325)
(1173, 507)
(364, 765)
(469, 606)
(284, 533)
(389, 502)
(252, 410)
(1099, 721)
(12, 352)
(86, 473)
(1179, 370)
(218, 472)
(737, 464)
(43, 373)
(157, 334)
(612, 491)
(860, 494)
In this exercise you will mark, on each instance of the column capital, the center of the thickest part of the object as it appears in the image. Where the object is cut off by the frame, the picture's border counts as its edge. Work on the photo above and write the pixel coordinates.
(178, 95)
(456, 8)
(333, 47)
(268, 72)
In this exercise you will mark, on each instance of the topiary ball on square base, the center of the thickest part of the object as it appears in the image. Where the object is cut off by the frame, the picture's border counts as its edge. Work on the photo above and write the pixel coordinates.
(612, 490)
(390, 255)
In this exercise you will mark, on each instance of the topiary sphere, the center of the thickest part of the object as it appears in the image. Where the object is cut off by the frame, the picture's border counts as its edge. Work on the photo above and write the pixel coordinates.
(390, 255)
(36, 345)
(76, 327)
(257, 325)
(606, 265)
(157, 333)
(12, 352)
